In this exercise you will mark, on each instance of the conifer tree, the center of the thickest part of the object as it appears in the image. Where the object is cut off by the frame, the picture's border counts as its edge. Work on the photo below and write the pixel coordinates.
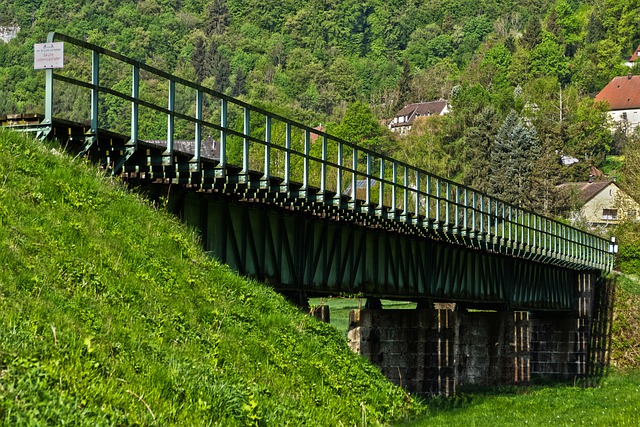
(513, 157)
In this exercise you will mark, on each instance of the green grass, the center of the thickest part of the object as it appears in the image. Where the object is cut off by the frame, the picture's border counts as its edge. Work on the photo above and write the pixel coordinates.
(614, 403)
(111, 314)
(612, 166)
(339, 308)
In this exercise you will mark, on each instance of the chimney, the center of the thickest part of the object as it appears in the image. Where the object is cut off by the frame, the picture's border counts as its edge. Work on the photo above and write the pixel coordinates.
(629, 75)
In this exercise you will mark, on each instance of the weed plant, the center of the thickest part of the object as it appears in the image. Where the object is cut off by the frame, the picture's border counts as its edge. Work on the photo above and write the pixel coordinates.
(110, 314)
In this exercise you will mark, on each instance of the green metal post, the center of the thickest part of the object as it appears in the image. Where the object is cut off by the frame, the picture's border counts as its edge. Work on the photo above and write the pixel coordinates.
(135, 94)
(95, 81)
(307, 150)
(323, 165)
(447, 205)
(48, 95)
(394, 181)
(474, 202)
(511, 224)
(481, 213)
(223, 133)
(405, 191)
(246, 128)
(427, 211)
(171, 120)
(354, 173)
(529, 229)
(267, 147)
(465, 215)
(367, 191)
(198, 127)
(287, 154)
(339, 175)
(382, 172)
(417, 193)
(457, 207)
(504, 213)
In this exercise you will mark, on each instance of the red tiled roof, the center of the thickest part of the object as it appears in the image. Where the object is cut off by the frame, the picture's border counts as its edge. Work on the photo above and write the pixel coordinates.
(622, 93)
(635, 55)
(313, 136)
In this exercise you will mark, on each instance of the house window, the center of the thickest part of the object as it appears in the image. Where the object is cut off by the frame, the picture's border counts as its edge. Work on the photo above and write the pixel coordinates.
(610, 214)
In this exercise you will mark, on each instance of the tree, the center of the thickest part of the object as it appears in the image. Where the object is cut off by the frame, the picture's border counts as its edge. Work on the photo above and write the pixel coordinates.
(426, 147)
(217, 18)
(359, 126)
(404, 86)
(547, 59)
(198, 59)
(532, 33)
(631, 168)
(478, 139)
(513, 155)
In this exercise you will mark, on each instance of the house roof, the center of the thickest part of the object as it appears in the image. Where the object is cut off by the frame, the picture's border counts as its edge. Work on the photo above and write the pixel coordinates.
(622, 93)
(635, 55)
(587, 190)
(412, 111)
(314, 136)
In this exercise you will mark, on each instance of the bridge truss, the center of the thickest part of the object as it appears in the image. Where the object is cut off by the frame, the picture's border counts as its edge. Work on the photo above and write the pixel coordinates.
(302, 209)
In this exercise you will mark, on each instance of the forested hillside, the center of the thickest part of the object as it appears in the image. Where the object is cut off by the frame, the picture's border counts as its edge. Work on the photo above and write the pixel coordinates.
(520, 75)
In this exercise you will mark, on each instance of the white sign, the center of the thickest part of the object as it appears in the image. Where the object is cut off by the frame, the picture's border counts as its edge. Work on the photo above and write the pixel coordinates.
(48, 55)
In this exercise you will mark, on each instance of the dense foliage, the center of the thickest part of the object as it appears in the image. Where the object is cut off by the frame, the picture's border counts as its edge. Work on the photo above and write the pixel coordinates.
(542, 61)
(111, 314)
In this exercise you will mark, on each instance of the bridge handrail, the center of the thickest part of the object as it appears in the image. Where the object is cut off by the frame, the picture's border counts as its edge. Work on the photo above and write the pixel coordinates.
(405, 193)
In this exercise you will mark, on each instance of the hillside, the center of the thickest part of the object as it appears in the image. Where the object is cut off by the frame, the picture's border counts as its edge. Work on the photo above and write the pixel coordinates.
(110, 314)
(503, 66)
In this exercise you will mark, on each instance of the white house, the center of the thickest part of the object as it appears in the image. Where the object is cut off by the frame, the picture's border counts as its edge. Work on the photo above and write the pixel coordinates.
(634, 58)
(404, 119)
(602, 203)
(622, 95)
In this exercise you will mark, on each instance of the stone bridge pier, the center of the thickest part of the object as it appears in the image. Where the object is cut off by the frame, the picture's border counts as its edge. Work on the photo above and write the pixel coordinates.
(435, 350)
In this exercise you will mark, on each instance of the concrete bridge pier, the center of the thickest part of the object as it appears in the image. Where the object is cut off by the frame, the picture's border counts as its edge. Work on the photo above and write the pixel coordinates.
(433, 351)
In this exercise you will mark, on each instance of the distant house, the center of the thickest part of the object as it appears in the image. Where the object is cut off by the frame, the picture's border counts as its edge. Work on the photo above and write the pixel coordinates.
(8, 33)
(634, 58)
(405, 118)
(314, 136)
(602, 203)
(622, 94)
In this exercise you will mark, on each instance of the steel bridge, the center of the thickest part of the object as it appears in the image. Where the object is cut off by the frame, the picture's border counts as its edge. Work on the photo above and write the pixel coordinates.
(301, 209)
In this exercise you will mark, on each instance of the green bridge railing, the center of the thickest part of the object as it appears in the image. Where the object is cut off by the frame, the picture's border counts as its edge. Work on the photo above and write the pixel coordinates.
(132, 98)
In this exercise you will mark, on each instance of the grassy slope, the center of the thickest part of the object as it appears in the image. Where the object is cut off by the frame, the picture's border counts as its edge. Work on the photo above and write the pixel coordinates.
(110, 314)
(625, 343)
